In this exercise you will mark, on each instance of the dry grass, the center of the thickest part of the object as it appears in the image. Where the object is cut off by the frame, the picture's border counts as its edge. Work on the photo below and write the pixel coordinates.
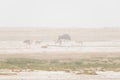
(84, 63)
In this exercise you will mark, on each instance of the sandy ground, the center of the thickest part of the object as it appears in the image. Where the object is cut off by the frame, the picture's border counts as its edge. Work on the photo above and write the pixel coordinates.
(59, 55)
(59, 75)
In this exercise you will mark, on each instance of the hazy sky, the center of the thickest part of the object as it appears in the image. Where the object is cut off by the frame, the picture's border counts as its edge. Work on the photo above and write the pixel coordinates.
(60, 13)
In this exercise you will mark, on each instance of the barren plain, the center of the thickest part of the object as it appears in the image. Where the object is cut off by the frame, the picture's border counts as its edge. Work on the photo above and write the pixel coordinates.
(98, 58)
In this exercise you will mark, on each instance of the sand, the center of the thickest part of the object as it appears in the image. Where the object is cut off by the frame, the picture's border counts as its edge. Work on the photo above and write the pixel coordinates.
(59, 75)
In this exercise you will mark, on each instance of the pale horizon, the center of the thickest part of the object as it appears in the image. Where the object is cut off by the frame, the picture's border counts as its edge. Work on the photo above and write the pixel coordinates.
(63, 13)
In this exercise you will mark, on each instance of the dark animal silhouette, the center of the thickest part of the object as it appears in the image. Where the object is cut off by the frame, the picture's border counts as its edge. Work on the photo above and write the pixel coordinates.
(64, 37)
